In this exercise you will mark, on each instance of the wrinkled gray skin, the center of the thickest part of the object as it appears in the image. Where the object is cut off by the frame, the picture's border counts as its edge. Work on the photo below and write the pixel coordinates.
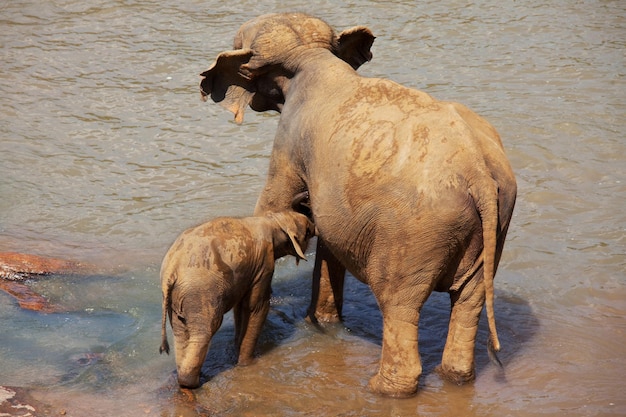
(409, 193)
(223, 264)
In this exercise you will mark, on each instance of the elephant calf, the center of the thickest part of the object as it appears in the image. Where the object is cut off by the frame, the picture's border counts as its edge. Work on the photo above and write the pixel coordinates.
(223, 264)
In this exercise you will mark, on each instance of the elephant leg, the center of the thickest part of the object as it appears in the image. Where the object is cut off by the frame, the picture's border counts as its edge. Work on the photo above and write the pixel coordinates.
(327, 292)
(253, 314)
(284, 183)
(457, 364)
(400, 364)
(241, 321)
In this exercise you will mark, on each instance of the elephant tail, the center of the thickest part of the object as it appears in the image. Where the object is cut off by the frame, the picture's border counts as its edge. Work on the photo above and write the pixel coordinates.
(487, 204)
(167, 310)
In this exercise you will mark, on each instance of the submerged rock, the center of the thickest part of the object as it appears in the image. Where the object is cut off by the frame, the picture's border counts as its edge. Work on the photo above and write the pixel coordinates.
(27, 298)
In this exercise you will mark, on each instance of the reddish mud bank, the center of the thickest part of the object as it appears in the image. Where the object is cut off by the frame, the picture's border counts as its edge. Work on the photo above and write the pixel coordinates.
(18, 266)
(15, 268)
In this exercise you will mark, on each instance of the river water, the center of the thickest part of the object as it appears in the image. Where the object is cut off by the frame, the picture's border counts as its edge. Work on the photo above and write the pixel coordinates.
(107, 154)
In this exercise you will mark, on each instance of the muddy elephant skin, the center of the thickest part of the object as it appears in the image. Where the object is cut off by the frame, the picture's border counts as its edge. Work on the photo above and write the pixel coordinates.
(409, 193)
(16, 268)
(221, 265)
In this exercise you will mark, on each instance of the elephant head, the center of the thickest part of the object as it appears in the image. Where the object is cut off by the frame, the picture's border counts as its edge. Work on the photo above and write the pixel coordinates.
(298, 228)
(257, 71)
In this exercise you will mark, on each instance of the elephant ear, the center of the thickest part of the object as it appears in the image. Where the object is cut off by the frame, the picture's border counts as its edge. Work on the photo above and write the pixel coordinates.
(227, 84)
(354, 45)
(288, 225)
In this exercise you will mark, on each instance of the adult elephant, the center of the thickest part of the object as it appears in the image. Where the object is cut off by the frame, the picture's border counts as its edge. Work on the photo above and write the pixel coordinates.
(409, 193)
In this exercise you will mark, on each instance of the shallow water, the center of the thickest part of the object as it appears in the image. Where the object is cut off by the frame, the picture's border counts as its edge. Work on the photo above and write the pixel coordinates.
(107, 153)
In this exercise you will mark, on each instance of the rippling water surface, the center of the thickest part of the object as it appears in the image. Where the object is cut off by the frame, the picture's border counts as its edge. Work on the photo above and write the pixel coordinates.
(107, 154)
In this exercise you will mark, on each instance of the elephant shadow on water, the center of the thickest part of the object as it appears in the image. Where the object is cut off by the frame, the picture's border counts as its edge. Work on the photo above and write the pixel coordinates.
(517, 325)
(222, 355)
(285, 315)
(287, 305)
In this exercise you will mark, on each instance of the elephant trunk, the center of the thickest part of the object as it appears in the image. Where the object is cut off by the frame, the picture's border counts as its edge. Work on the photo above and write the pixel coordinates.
(189, 362)
(189, 379)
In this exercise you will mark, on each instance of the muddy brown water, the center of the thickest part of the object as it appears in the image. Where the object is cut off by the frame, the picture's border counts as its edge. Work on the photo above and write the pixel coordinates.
(107, 153)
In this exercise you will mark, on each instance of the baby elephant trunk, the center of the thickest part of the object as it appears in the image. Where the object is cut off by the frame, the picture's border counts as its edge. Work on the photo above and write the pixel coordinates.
(189, 379)
(189, 362)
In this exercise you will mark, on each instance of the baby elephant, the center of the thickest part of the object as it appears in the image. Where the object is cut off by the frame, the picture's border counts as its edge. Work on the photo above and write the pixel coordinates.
(223, 264)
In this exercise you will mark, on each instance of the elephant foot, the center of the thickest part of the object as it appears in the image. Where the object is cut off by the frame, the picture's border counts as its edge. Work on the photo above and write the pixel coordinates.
(316, 318)
(456, 377)
(384, 386)
(246, 361)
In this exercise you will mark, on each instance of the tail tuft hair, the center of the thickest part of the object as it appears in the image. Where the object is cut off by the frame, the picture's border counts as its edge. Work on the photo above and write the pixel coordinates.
(165, 347)
(493, 354)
